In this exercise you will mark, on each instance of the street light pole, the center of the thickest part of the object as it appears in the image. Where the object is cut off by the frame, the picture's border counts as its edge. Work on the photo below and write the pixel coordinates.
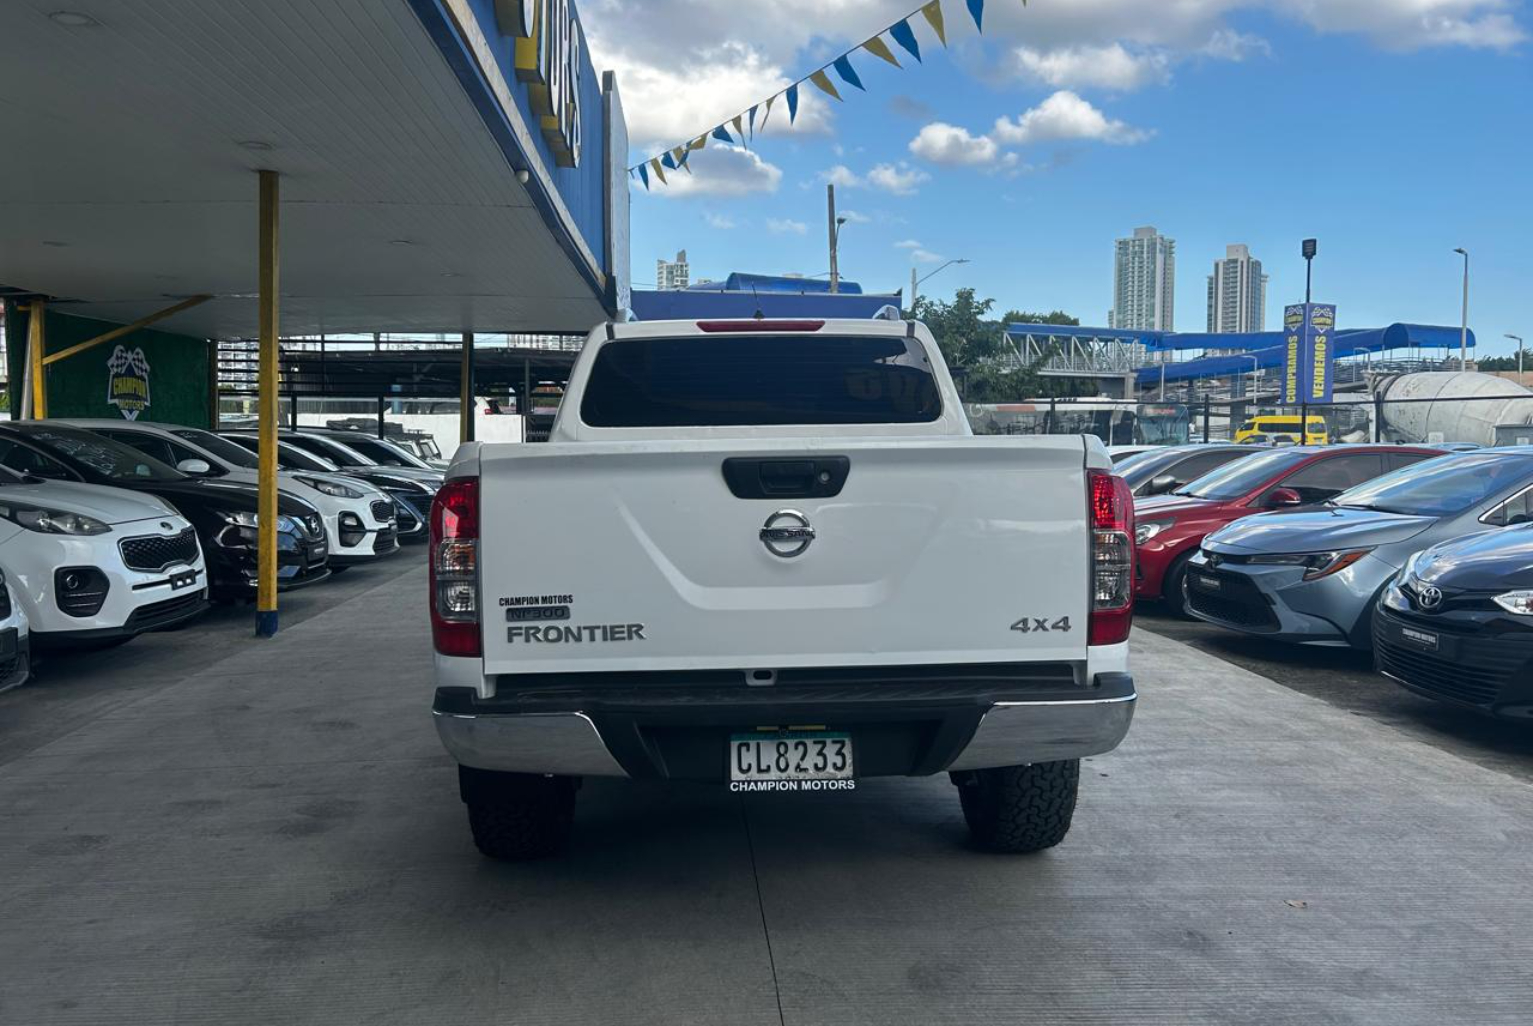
(1463, 339)
(915, 283)
(1518, 340)
(835, 224)
(1255, 367)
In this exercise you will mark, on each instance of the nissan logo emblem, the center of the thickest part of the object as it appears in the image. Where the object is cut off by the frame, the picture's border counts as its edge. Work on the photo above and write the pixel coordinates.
(1429, 597)
(787, 533)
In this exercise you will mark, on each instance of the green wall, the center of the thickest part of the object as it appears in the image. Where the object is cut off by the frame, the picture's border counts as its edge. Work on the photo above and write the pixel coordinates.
(179, 369)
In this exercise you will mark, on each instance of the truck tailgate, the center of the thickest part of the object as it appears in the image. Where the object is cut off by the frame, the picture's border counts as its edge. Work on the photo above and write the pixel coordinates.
(638, 556)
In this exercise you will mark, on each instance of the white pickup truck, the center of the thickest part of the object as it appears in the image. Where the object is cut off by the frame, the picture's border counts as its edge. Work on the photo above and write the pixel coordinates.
(770, 554)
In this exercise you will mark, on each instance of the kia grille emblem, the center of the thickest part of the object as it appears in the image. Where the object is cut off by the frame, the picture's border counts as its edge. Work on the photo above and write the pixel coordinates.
(787, 533)
(1430, 597)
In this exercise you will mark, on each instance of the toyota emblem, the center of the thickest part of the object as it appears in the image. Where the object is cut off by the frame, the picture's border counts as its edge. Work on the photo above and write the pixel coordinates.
(787, 533)
(1429, 597)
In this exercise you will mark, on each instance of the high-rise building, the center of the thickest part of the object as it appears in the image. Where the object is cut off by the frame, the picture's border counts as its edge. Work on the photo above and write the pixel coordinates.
(1237, 293)
(1144, 282)
(673, 274)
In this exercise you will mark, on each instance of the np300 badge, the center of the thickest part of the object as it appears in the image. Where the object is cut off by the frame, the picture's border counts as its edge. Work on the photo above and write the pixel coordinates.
(787, 533)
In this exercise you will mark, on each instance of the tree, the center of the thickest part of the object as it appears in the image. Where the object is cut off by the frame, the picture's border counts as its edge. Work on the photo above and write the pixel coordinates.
(1056, 317)
(973, 346)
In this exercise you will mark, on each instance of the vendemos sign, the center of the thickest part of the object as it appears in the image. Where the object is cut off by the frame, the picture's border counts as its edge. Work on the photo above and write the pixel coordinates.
(1309, 342)
(548, 59)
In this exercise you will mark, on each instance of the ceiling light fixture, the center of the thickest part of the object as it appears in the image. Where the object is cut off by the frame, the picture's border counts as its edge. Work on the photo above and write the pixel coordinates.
(73, 19)
(55, 243)
(523, 176)
(254, 144)
(401, 242)
(451, 274)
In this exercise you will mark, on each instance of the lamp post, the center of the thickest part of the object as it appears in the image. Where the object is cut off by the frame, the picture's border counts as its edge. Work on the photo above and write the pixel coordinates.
(1518, 340)
(1310, 248)
(1463, 338)
(1255, 369)
(915, 283)
(835, 237)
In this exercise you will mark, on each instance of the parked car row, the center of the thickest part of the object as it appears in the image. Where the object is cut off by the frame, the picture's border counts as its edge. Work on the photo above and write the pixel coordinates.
(111, 529)
(1423, 557)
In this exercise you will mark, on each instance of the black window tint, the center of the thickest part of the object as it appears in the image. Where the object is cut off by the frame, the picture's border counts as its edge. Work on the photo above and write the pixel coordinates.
(1514, 512)
(1194, 468)
(25, 461)
(1396, 460)
(1327, 478)
(149, 445)
(728, 380)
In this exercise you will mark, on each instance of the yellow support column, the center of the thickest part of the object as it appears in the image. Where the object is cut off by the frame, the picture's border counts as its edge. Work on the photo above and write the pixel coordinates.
(35, 353)
(266, 411)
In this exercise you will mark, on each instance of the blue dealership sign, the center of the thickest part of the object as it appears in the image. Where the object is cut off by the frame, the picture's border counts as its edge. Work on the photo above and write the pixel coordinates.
(1309, 352)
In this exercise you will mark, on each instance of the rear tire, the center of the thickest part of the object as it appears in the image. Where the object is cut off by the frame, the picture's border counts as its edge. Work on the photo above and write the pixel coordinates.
(518, 816)
(1019, 809)
(1172, 592)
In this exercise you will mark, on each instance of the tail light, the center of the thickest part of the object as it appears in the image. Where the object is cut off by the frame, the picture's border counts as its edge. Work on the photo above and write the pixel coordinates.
(455, 568)
(758, 325)
(1112, 558)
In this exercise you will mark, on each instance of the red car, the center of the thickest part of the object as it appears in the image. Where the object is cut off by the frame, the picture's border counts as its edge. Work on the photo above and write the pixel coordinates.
(1171, 527)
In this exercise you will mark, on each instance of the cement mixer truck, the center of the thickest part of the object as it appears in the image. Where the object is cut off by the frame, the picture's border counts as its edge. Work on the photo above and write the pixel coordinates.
(1449, 408)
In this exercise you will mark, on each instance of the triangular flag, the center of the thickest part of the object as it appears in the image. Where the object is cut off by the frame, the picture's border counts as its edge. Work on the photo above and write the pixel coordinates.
(722, 134)
(698, 143)
(644, 176)
(669, 161)
(766, 115)
(659, 171)
(792, 94)
(680, 153)
(753, 120)
(933, 12)
(977, 9)
(905, 36)
(878, 48)
(822, 80)
(843, 66)
(739, 123)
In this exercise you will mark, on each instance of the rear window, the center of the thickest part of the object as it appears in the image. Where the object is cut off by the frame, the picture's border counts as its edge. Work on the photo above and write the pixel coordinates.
(732, 381)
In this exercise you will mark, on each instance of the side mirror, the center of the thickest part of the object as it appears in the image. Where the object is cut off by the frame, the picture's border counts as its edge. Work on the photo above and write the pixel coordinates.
(1280, 498)
(196, 468)
(1161, 485)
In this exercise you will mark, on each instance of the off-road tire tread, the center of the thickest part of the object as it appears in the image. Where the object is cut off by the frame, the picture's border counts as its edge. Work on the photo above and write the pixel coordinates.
(1021, 809)
(525, 818)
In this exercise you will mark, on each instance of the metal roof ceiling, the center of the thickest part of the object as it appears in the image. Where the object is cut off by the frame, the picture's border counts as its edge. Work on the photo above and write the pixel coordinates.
(131, 145)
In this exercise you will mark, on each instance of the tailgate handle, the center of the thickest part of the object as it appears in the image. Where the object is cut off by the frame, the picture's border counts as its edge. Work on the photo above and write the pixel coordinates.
(770, 477)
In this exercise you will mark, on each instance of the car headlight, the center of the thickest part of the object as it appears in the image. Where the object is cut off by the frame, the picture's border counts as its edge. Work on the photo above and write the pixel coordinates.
(1519, 602)
(1148, 529)
(245, 518)
(332, 488)
(52, 521)
(1316, 564)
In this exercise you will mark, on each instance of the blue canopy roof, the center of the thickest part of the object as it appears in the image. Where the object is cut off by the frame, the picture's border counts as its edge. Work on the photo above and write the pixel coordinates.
(1271, 351)
(688, 305)
(739, 281)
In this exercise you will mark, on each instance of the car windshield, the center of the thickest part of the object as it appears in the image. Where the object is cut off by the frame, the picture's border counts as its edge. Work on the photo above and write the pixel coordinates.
(1444, 486)
(1244, 476)
(383, 452)
(234, 455)
(340, 455)
(108, 458)
(1143, 466)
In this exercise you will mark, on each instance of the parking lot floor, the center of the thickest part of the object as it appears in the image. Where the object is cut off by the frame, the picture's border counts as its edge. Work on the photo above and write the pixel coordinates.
(275, 837)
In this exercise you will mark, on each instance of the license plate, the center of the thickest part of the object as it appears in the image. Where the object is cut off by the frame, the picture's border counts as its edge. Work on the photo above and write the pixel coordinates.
(1209, 583)
(808, 755)
(1421, 639)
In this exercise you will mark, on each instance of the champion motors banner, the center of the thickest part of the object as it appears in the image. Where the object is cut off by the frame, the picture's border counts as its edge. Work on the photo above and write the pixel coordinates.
(1309, 362)
(742, 127)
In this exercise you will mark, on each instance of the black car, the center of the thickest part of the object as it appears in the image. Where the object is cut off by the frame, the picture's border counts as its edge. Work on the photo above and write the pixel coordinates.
(1457, 623)
(1165, 469)
(412, 497)
(224, 514)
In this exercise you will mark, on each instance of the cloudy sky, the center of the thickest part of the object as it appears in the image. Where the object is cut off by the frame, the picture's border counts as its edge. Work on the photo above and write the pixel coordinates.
(1393, 130)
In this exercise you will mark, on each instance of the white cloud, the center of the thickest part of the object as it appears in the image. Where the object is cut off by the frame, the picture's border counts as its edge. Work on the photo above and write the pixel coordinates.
(1229, 45)
(1416, 24)
(902, 180)
(907, 244)
(842, 177)
(783, 226)
(1065, 116)
(721, 221)
(1105, 67)
(721, 170)
(855, 217)
(924, 256)
(942, 143)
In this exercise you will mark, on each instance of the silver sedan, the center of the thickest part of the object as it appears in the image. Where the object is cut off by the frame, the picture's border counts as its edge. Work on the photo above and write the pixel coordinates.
(1313, 576)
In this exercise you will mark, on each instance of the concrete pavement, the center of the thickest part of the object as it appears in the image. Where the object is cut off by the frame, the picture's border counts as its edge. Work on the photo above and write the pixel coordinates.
(276, 837)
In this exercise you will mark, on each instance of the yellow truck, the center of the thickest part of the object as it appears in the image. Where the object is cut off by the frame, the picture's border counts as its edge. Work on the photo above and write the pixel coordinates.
(1283, 429)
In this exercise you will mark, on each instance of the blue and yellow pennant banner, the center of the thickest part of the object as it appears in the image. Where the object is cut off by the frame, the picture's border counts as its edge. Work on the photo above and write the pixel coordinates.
(742, 127)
